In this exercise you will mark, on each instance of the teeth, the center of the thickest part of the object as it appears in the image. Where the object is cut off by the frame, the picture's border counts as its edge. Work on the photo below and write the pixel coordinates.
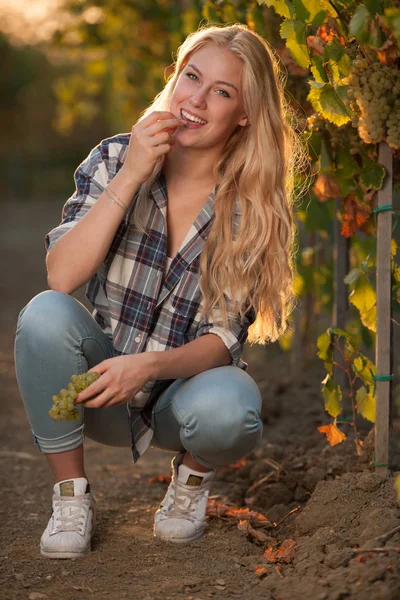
(191, 118)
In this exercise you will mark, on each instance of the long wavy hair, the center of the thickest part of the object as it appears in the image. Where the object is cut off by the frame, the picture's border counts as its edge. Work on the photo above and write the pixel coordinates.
(253, 270)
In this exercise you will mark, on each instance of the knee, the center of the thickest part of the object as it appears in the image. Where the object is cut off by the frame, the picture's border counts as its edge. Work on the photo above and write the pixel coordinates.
(49, 311)
(228, 416)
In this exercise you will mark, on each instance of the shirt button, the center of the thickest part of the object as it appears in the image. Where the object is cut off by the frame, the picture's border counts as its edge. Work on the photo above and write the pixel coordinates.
(137, 338)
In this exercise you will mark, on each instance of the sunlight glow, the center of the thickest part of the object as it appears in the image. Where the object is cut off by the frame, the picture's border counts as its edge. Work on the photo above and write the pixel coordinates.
(27, 22)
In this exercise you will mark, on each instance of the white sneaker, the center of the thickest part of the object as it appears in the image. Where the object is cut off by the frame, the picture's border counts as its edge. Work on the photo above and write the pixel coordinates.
(182, 514)
(71, 525)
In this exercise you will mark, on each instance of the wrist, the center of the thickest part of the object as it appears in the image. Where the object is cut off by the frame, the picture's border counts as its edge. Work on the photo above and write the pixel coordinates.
(126, 180)
(154, 364)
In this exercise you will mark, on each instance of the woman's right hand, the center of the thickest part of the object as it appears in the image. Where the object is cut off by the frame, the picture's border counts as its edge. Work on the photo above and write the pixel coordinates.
(151, 137)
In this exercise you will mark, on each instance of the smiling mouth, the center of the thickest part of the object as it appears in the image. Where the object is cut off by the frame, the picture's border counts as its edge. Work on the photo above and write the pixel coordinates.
(191, 119)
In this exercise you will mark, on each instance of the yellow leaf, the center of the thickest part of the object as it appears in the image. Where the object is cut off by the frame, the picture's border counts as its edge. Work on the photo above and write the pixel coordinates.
(333, 434)
(366, 404)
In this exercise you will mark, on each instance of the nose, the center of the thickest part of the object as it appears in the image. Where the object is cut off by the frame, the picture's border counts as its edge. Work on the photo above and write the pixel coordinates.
(198, 99)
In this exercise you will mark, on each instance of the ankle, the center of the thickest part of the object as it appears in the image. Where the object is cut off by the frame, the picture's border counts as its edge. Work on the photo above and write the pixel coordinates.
(190, 462)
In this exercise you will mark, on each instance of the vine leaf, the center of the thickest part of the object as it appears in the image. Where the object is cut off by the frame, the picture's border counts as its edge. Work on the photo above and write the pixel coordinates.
(366, 404)
(363, 297)
(372, 174)
(360, 24)
(281, 7)
(328, 103)
(294, 32)
(332, 396)
(324, 346)
(333, 434)
(355, 214)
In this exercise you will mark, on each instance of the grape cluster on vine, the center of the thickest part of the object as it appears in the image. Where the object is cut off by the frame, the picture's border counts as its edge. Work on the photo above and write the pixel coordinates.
(63, 404)
(374, 93)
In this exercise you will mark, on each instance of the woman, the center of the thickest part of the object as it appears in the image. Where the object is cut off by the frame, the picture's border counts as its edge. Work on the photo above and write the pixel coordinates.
(183, 231)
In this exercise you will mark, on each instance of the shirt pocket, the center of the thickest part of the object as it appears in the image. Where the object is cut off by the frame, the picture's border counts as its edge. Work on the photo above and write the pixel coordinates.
(186, 301)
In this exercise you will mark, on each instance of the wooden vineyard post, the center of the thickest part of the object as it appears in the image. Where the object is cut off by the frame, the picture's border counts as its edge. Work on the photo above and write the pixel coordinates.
(383, 311)
(341, 301)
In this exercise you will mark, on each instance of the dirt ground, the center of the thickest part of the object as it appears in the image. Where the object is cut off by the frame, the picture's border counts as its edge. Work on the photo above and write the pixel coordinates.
(326, 500)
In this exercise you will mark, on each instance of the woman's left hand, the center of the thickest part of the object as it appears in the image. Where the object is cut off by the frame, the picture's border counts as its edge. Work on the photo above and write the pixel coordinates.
(120, 379)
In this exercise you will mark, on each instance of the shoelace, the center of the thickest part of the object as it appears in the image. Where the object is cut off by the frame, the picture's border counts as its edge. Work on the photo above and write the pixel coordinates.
(69, 514)
(184, 501)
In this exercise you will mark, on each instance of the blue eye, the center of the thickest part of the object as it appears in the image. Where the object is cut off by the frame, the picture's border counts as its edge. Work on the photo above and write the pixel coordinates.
(190, 75)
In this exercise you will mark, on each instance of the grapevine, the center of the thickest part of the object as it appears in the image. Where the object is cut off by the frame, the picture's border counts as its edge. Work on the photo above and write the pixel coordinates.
(63, 404)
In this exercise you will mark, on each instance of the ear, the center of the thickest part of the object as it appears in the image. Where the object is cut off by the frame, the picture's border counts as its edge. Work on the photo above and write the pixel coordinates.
(243, 121)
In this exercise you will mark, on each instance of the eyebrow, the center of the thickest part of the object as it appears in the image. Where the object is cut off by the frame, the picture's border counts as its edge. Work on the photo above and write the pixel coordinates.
(223, 82)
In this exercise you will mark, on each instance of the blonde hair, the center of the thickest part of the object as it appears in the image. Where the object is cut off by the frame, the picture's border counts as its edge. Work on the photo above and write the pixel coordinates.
(255, 269)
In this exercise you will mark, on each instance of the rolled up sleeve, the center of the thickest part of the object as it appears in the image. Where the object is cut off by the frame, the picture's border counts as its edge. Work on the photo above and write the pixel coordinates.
(234, 337)
(91, 178)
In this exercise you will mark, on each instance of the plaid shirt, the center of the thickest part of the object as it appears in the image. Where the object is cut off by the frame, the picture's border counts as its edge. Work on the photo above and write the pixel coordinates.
(138, 306)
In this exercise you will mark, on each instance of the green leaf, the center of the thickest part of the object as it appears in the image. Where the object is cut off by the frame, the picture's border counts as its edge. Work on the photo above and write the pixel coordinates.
(333, 51)
(366, 404)
(333, 108)
(372, 174)
(306, 10)
(347, 166)
(353, 276)
(360, 24)
(374, 7)
(332, 396)
(294, 32)
(318, 69)
(284, 8)
(324, 346)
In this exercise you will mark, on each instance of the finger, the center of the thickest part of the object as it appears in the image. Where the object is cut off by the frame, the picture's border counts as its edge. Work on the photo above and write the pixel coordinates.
(170, 125)
(94, 389)
(99, 402)
(100, 368)
(162, 149)
(156, 116)
(160, 138)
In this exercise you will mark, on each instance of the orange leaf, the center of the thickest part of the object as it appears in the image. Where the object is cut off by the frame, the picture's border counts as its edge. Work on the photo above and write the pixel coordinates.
(355, 214)
(284, 554)
(260, 571)
(326, 187)
(333, 434)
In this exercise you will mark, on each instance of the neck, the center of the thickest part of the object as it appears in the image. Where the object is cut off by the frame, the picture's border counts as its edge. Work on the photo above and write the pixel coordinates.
(190, 166)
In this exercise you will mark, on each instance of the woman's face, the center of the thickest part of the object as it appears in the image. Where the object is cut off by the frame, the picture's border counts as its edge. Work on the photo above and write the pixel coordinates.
(209, 89)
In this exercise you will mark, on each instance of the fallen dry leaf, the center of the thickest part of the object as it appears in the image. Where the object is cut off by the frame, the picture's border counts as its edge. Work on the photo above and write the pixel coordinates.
(219, 509)
(284, 554)
(255, 534)
(261, 572)
(333, 434)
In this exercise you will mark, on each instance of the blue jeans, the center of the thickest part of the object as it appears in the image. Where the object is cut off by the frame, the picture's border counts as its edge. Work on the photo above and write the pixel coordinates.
(214, 415)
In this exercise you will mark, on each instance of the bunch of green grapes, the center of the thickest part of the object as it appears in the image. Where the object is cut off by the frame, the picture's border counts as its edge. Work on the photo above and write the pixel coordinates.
(374, 93)
(63, 404)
